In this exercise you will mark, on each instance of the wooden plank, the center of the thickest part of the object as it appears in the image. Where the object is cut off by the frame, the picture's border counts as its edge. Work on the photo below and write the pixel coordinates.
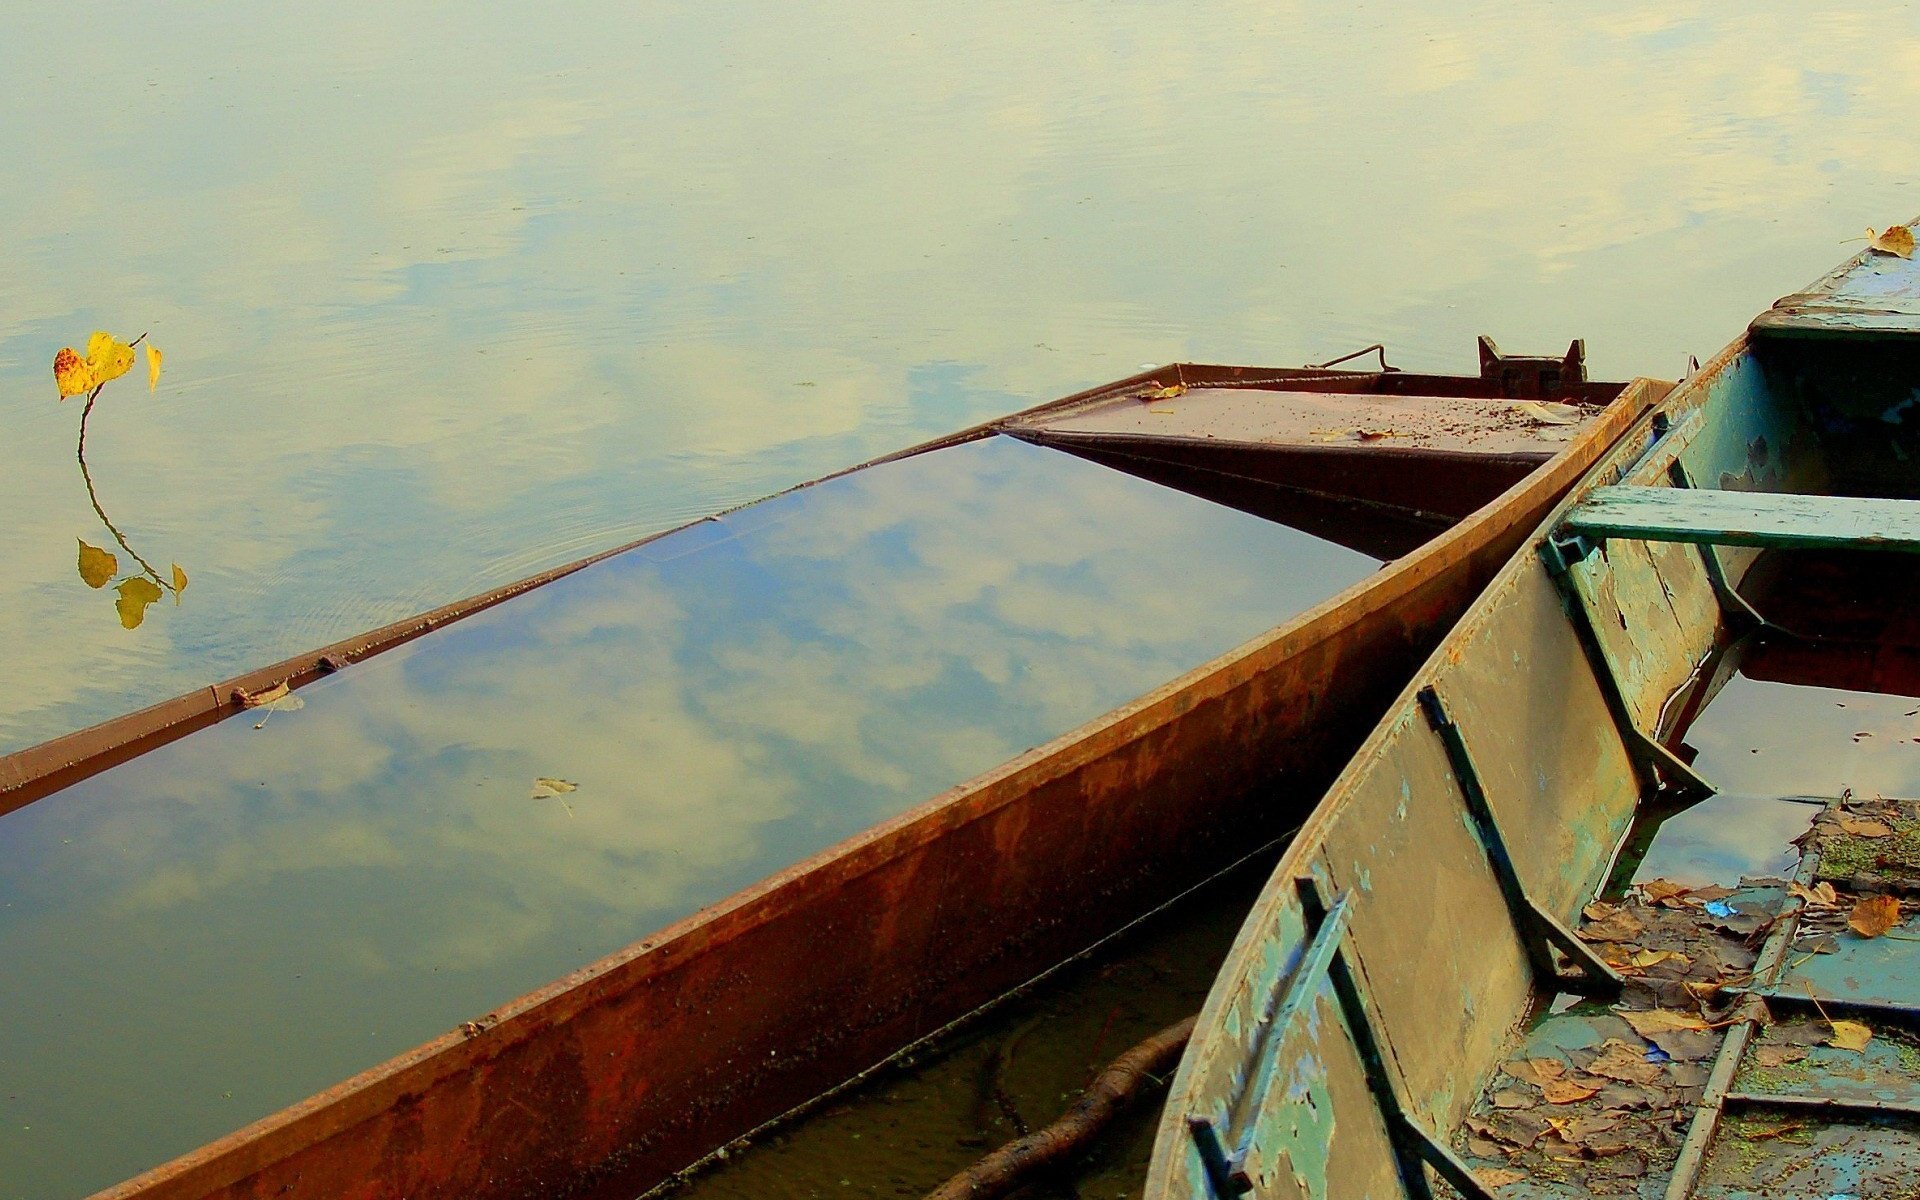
(1872, 294)
(1764, 519)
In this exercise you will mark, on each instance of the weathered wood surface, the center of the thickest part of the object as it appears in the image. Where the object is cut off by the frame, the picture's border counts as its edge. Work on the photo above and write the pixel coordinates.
(1777, 520)
(1873, 294)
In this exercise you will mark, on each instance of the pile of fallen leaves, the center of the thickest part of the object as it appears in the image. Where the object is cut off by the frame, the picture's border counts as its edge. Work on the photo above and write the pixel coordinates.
(1616, 1106)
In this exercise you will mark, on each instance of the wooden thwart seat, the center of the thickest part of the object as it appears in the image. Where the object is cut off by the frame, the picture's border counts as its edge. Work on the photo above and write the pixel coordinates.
(1777, 520)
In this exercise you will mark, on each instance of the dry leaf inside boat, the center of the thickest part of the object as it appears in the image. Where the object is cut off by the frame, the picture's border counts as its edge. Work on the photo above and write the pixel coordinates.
(1495, 1177)
(1864, 828)
(1894, 239)
(1850, 1035)
(1820, 895)
(1660, 891)
(1661, 1020)
(1874, 915)
(1165, 393)
(1569, 1091)
(1537, 1071)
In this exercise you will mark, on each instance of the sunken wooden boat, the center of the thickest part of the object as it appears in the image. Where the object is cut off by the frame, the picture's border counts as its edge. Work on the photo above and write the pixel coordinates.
(726, 894)
(1610, 903)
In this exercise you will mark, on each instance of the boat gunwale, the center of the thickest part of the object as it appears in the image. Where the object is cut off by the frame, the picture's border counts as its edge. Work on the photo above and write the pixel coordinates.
(228, 1160)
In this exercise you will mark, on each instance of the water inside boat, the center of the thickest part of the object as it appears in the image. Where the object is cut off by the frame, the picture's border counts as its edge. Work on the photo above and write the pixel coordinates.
(1800, 724)
(203, 935)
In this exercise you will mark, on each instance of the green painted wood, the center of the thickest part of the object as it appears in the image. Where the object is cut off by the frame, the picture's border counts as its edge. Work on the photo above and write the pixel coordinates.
(1871, 295)
(1763, 519)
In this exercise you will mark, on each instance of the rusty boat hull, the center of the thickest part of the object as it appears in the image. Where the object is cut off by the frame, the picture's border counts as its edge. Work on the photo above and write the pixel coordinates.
(644, 1061)
(1609, 903)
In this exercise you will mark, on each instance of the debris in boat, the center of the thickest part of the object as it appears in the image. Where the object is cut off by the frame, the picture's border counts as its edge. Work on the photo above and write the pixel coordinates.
(1164, 393)
(1849, 1035)
(1635, 1069)
(1549, 413)
(1894, 239)
(1868, 846)
(1865, 829)
(1820, 895)
(1498, 1177)
(247, 699)
(1873, 916)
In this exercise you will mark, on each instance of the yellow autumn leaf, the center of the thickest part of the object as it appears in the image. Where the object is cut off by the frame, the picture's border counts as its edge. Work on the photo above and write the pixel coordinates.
(71, 374)
(97, 566)
(108, 356)
(1874, 915)
(153, 366)
(1850, 1035)
(263, 696)
(1894, 239)
(135, 594)
(1164, 393)
(179, 582)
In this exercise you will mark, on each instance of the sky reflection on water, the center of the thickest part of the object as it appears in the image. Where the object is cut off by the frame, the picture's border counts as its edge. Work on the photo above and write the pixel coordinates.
(250, 914)
(451, 295)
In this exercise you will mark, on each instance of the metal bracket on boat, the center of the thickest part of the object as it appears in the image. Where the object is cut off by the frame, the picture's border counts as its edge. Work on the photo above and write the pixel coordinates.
(1540, 931)
(1415, 1148)
(1731, 601)
(1659, 769)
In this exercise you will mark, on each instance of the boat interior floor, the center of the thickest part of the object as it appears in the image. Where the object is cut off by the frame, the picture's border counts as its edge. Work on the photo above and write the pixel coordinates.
(1767, 1042)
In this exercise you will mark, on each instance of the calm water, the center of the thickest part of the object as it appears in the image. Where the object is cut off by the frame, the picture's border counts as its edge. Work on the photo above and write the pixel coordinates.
(262, 909)
(453, 293)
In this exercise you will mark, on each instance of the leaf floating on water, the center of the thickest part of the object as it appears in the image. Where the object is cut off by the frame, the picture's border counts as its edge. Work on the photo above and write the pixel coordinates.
(1859, 827)
(153, 366)
(97, 566)
(249, 699)
(135, 594)
(108, 356)
(1894, 239)
(1874, 915)
(71, 374)
(284, 703)
(547, 789)
(1850, 1035)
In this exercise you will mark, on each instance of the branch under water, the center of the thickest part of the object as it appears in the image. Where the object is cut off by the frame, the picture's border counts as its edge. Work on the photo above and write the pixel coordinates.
(1126, 1078)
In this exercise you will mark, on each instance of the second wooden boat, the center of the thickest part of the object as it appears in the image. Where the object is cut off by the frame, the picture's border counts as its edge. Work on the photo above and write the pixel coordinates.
(1615, 901)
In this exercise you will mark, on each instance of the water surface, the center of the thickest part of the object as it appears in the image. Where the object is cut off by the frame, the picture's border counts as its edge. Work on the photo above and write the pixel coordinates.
(201, 936)
(451, 293)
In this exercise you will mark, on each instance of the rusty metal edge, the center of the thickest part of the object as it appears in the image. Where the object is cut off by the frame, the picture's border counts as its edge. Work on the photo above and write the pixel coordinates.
(407, 1077)
(35, 771)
